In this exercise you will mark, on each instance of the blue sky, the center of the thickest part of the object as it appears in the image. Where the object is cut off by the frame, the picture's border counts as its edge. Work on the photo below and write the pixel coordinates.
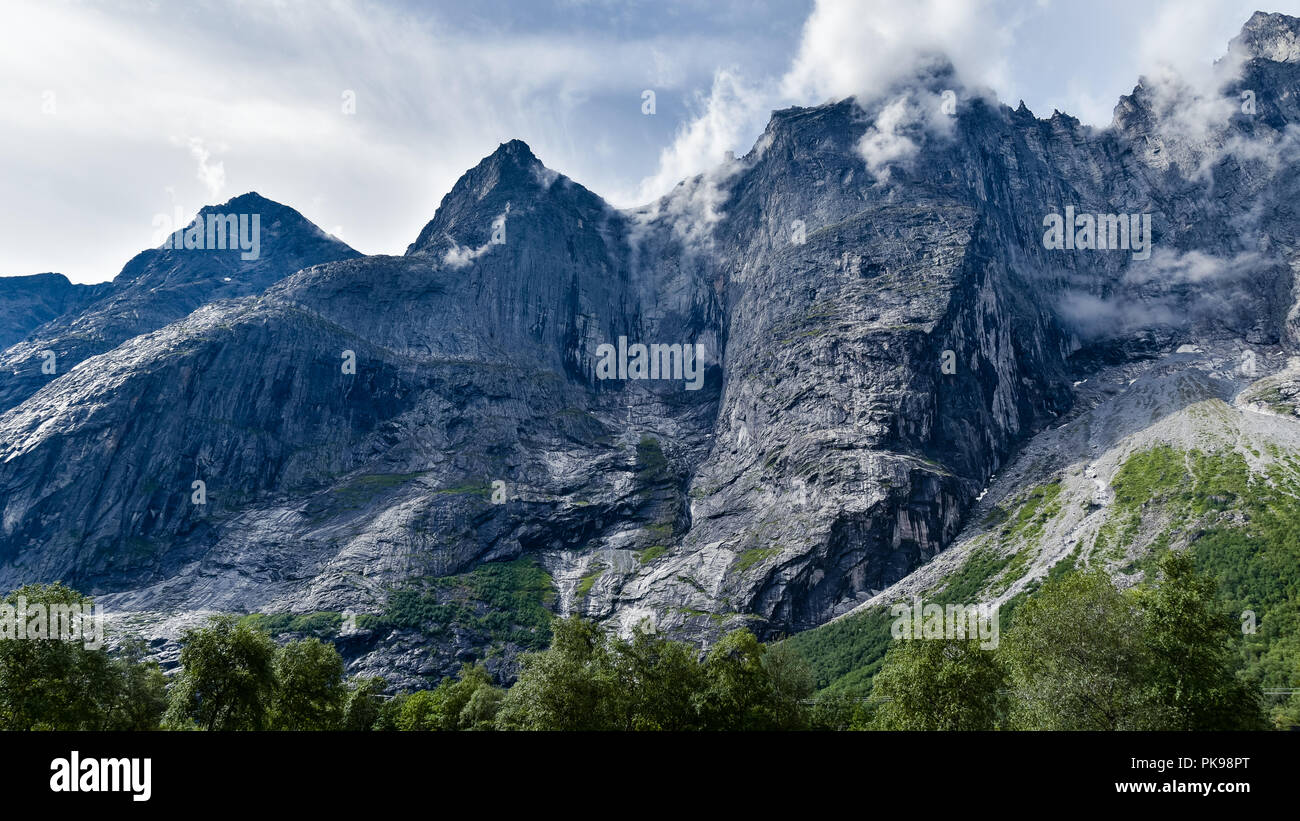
(112, 113)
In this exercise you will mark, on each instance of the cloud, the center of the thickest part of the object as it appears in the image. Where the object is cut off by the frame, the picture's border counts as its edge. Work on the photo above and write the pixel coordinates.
(259, 88)
(1170, 267)
(884, 144)
(848, 48)
(900, 127)
(459, 256)
(1197, 105)
(1174, 290)
(691, 209)
(1186, 38)
(859, 49)
(1093, 317)
(1190, 118)
(212, 175)
(731, 111)
(440, 84)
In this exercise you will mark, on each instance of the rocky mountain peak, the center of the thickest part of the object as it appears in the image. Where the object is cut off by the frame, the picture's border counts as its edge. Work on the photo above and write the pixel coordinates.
(1260, 60)
(511, 178)
(285, 228)
(209, 259)
(511, 168)
(1274, 37)
(514, 152)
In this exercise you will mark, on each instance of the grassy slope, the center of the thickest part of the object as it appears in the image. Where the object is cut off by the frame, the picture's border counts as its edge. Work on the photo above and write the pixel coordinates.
(1243, 527)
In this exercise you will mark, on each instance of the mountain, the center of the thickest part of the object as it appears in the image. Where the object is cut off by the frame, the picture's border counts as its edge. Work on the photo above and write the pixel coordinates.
(28, 302)
(164, 284)
(892, 349)
(1183, 429)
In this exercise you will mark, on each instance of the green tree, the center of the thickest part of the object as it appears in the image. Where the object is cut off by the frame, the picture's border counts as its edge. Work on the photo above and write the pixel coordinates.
(141, 695)
(590, 681)
(389, 710)
(421, 710)
(310, 693)
(791, 685)
(654, 682)
(54, 684)
(839, 711)
(1287, 717)
(939, 684)
(480, 712)
(1189, 634)
(568, 686)
(742, 692)
(364, 703)
(227, 678)
(470, 702)
(1076, 657)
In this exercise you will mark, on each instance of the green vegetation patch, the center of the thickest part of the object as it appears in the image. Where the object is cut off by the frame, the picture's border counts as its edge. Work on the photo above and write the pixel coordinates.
(362, 489)
(1040, 506)
(589, 581)
(969, 581)
(753, 556)
(505, 602)
(322, 623)
(651, 553)
(1241, 526)
(843, 655)
(651, 464)
(1273, 398)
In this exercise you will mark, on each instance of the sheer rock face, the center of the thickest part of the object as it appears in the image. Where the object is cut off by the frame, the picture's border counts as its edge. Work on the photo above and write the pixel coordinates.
(881, 327)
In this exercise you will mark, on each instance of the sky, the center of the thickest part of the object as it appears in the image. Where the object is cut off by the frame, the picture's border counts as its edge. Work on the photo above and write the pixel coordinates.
(362, 115)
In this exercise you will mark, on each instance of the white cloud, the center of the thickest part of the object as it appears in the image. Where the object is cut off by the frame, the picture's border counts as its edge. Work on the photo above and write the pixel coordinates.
(1171, 267)
(459, 256)
(1187, 37)
(854, 48)
(258, 86)
(730, 113)
(900, 126)
(212, 175)
(848, 48)
(692, 208)
(883, 144)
